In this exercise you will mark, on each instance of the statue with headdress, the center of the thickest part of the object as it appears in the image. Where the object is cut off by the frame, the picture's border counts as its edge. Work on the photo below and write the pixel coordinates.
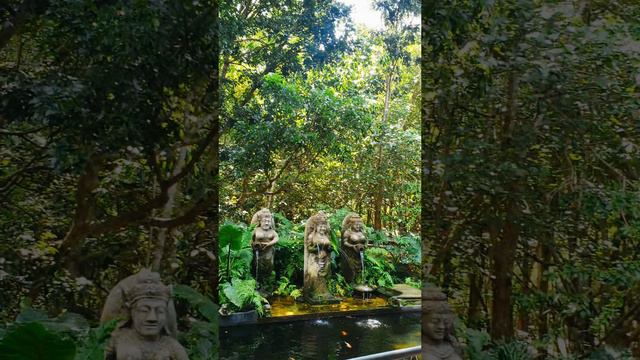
(354, 242)
(438, 340)
(317, 260)
(263, 239)
(147, 321)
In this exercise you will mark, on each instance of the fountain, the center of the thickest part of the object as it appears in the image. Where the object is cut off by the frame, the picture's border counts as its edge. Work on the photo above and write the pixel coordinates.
(353, 245)
(262, 241)
(317, 266)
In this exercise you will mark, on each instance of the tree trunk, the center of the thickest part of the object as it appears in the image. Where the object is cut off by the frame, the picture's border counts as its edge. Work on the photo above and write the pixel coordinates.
(523, 314)
(167, 212)
(503, 261)
(474, 314)
(70, 252)
(378, 196)
(504, 251)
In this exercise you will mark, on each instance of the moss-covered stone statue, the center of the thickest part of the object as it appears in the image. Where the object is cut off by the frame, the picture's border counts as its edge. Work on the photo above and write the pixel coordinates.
(147, 320)
(438, 341)
(262, 241)
(354, 242)
(317, 260)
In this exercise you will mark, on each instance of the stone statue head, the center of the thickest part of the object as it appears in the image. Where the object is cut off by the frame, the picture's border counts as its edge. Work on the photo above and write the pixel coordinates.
(264, 219)
(352, 222)
(142, 302)
(148, 304)
(317, 223)
(437, 316)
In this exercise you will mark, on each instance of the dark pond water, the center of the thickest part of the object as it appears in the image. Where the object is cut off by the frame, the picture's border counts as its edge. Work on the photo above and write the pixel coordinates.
(331, 339)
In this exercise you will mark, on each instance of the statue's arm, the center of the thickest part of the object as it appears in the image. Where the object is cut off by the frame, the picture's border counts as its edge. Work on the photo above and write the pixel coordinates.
(274, 240)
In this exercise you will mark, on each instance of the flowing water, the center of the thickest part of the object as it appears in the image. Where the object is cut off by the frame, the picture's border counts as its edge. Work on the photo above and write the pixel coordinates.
(257, 253)
(362, 264)
(334, 338)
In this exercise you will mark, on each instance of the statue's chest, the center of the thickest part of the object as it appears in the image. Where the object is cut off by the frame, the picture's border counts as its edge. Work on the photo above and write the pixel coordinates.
(357, 237)
(262, 235)
(134, 350)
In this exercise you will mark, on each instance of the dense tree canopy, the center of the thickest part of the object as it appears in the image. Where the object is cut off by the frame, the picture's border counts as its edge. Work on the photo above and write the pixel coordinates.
(107, 136)
(319, 114)
(531, 167)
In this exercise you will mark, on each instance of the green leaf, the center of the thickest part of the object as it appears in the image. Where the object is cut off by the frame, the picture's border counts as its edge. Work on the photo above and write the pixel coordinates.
(230, 234)
(93, 347)
(202, 303)
(32, 341)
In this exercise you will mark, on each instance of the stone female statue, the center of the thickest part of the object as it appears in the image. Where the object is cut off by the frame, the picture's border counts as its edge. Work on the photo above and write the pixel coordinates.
(317, 260)
(438, 341)
(262, 241)
(354, 242)
(146, 330)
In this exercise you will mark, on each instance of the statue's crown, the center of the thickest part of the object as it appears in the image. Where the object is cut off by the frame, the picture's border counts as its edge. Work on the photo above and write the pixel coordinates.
(434, 301)
(148, 288)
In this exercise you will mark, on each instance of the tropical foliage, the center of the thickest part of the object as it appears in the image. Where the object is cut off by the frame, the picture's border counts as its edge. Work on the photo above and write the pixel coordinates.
(531, 168)
(107, 126)
(317, 114)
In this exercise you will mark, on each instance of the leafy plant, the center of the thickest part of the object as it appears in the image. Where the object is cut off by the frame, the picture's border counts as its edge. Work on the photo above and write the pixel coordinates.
(241, 295)
(33, 341)
(202, 338)
(378, 268)
(416, 283)
(338, 285)
(509, 350)
(284, 288)
(236, 255)
(96, 340)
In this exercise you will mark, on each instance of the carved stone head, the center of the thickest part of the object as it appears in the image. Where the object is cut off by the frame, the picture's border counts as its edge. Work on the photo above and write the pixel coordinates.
(148, 303)
(437, 316)
(317, 223)
(142, 302)
(264, 219)
(352, 222)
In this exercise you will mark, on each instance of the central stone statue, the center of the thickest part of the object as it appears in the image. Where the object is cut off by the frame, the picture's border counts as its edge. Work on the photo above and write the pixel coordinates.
(262, 241)
(147, 326)
(354, 243)
(317, 260)
(438, 341)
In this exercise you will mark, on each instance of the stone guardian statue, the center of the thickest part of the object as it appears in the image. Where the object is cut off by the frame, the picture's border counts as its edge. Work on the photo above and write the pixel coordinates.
(147, 326)
(354, 242)
(438, 341)
(262, 241)
(317, 260)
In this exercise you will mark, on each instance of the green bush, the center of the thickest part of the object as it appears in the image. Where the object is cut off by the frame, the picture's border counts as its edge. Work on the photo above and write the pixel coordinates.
(241, 295)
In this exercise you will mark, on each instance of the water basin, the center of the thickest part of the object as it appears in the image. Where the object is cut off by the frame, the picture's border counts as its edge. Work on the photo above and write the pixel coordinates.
(333, 338)
(286, 306)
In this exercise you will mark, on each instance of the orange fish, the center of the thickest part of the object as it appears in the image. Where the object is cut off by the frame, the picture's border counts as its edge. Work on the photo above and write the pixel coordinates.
(343, 333)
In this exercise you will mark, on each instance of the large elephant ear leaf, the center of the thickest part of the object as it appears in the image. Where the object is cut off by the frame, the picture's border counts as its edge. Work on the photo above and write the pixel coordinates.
(32, 341)
(202, 303)
(230, 234)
